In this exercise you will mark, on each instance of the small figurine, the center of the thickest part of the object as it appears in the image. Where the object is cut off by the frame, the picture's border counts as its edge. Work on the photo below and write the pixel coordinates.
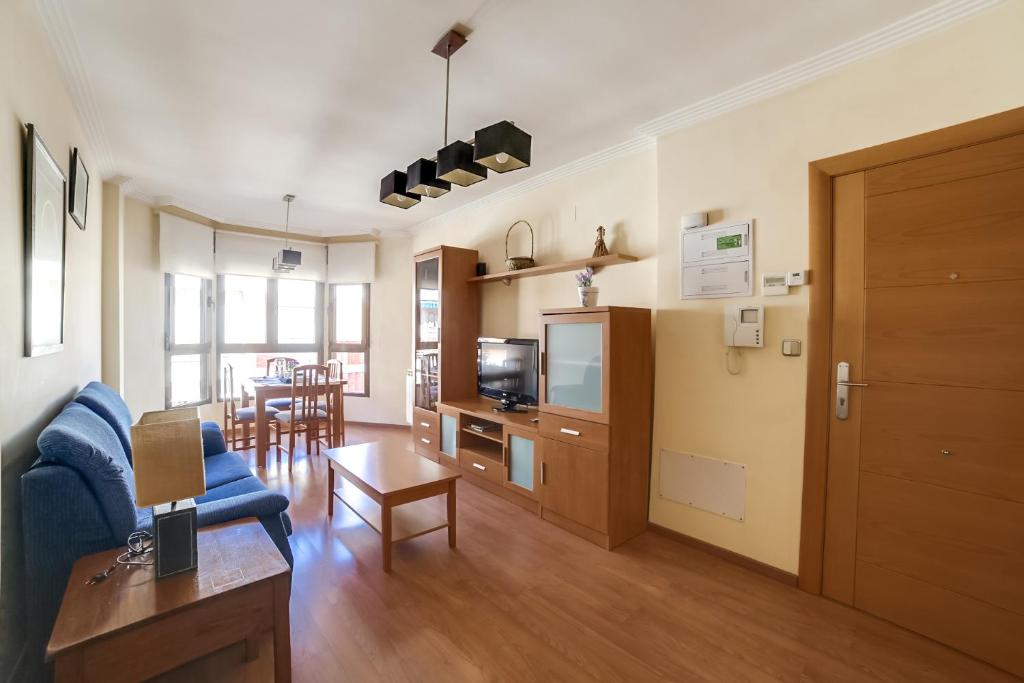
(600, 248)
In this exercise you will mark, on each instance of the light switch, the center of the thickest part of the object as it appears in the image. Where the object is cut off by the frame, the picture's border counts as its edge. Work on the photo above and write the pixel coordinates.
(791, 347)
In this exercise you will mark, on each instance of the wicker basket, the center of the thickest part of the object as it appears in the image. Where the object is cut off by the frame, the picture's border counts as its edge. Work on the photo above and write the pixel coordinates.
(519, 262)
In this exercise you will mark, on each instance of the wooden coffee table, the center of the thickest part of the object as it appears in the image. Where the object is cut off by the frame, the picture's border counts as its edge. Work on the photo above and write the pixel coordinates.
(387, 487)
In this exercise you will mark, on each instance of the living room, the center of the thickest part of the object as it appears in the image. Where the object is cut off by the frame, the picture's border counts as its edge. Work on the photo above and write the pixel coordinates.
(267, 271)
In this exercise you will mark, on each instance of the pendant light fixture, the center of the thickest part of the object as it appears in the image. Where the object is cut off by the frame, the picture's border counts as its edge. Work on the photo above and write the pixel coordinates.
(287, 259)
(392, 191)
(501, 147)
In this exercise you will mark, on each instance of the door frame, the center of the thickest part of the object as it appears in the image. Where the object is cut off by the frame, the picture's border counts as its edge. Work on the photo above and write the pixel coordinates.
(819, 322)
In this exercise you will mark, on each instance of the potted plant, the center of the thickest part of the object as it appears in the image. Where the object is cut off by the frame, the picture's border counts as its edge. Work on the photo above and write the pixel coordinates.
(585, 284)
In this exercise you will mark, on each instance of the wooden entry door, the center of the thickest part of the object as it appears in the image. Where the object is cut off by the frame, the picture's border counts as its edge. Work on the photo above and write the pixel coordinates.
(924, 517)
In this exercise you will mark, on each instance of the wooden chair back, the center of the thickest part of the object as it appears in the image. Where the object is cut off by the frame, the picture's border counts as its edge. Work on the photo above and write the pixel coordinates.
(334, 370)
(309, 383)
(228, 389)
(280, 366)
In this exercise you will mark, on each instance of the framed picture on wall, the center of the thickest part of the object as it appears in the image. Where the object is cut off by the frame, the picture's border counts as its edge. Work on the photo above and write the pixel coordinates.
(78, 189)
(44, 248)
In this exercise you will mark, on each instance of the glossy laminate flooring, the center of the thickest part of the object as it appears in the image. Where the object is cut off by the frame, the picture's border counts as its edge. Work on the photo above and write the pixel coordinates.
(522, 600)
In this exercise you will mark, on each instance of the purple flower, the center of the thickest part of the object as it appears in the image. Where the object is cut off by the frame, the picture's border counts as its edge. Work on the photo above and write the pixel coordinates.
(585, 278)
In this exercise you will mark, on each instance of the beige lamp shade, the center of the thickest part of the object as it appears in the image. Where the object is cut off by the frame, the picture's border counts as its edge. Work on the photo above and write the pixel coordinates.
(167, 456)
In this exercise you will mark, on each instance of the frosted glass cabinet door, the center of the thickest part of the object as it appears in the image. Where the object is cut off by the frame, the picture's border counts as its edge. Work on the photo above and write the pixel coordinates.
(574, 365)
(520, 461)
(449, 425)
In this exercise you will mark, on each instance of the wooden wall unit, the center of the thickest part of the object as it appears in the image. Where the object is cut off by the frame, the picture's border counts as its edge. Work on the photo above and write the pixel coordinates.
(595, 420)
(446, 326)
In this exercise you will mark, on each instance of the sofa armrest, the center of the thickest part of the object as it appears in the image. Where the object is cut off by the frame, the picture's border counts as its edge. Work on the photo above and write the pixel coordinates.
(256, 504)
(213, 439)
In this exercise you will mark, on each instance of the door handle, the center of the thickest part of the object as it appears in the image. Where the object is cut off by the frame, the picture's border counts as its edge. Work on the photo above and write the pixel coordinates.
(543, 363)
(843, 385)
(543, 473)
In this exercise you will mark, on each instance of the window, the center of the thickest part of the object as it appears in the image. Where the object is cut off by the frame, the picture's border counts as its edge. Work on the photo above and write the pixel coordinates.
(350, 335)
(187, 327)
(260, 318)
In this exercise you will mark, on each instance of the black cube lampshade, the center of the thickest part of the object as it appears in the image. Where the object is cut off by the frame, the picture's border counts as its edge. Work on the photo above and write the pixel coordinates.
(392, 191)
(502, 147)
(455, 164)
(422, 179)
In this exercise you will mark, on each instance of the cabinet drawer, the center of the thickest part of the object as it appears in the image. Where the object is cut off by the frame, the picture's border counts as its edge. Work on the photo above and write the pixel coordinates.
(426, 439)
(424, 419)
(591, 435)
(479, 465)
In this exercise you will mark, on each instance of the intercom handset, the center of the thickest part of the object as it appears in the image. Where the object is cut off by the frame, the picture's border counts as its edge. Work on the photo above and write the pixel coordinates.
(744, 325)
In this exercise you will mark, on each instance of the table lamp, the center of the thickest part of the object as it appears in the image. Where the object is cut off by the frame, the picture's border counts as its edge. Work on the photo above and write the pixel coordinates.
(167, 456)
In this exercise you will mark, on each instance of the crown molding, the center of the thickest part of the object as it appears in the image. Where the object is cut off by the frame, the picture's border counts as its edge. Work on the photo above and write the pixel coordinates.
(57, 24)
(917, 25)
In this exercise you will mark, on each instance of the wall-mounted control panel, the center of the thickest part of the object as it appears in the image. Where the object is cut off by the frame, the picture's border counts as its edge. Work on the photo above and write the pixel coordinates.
(744, 325)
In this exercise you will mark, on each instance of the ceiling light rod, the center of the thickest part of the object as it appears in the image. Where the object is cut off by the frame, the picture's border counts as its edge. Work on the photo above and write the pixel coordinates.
(288, 199)
(446, 47)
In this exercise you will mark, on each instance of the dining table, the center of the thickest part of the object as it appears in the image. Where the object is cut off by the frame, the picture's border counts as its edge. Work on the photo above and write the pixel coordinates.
(259, 390)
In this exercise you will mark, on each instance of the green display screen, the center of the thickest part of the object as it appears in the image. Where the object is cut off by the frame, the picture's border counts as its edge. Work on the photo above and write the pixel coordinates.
(730, 242)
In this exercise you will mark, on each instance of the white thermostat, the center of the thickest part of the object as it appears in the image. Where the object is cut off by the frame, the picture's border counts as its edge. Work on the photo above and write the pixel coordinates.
(774, 284)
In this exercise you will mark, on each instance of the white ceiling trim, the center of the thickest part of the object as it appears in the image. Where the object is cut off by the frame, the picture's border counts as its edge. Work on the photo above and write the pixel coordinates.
(915, 26)
(918, 25)
(57, 24)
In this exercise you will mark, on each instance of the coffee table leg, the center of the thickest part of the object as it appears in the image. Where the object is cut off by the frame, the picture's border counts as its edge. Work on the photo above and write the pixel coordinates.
(451, 513)
(385, 534)
(330, 490)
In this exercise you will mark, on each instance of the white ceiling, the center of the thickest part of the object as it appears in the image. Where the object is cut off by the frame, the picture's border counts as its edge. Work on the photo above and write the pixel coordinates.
(224, 106)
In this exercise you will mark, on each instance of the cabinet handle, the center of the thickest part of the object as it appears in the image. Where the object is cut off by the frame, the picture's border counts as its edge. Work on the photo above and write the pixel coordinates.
(425, 424)
(543, 363)
(426, 441)
(479, 466)
(543, 473)
(570, 432)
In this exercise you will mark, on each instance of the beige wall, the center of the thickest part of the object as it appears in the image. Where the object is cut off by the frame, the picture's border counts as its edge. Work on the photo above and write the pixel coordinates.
(390, 336)
(620, 195)
(752, 163)
(33, 390)
(143, 309)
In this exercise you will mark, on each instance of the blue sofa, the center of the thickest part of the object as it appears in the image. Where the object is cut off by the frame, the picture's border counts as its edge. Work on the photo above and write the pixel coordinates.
(79, 496)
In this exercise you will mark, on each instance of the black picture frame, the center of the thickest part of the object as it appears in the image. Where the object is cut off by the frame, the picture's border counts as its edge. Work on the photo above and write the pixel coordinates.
(78, 189)
(45, 247)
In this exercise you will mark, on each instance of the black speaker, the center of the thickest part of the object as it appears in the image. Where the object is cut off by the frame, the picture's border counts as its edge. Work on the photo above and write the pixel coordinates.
(174, 537)
(481, 268)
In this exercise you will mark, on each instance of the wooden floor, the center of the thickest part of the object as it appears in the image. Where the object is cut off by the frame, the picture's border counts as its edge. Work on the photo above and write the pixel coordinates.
(521, 600)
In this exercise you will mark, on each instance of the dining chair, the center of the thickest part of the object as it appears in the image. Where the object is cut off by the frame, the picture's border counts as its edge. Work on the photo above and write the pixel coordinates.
(334, 374)
(304, 416)
(235, 417)
(280, 366)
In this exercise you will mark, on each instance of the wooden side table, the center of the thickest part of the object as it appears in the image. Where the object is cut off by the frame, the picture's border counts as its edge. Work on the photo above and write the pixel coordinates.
(131, 627)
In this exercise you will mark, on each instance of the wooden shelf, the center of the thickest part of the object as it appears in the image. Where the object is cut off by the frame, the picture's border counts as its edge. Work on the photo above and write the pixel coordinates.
(496, 455)
(579, 264)
(407, 521)
(485, 435)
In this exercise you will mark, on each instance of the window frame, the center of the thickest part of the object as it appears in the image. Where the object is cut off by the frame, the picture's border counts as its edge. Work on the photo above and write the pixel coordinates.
(204, 348)
(271, 344)
(363, 346)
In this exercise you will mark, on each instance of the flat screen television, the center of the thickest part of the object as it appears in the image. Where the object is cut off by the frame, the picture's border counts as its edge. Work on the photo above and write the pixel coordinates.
(507, 371)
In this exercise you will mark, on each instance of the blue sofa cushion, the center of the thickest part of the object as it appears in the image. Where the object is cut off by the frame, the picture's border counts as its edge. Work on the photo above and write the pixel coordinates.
(108, 404)
(213, 439)
(81, 440)
(225, 468)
